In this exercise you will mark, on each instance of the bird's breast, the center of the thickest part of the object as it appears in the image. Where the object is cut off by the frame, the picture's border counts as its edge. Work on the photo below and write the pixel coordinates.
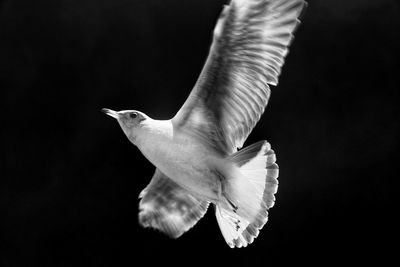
(187, 162)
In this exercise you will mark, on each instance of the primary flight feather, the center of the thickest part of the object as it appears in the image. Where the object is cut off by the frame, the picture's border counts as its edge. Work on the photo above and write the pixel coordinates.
(196, 152)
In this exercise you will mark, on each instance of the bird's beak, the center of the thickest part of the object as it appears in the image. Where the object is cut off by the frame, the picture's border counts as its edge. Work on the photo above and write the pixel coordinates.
(110, 112)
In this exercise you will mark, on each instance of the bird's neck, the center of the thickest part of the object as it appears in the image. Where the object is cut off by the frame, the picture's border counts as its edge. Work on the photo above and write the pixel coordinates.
(152, 132)
(153, 139)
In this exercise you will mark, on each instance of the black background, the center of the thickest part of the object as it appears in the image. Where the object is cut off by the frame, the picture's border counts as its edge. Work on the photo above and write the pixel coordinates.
(70, 178)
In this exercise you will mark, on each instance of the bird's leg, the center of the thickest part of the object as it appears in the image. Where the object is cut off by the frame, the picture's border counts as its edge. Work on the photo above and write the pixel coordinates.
(222, 191)
(234, 207)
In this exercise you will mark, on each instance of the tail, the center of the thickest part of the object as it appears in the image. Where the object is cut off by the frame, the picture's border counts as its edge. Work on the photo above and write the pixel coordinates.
(248, 194)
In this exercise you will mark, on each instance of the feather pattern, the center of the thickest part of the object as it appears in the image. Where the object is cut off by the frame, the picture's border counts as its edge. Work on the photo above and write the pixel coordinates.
(168, 207)
(249, 45)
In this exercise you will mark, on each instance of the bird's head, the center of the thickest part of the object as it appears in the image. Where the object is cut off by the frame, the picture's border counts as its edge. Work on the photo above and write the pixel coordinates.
(129, 120)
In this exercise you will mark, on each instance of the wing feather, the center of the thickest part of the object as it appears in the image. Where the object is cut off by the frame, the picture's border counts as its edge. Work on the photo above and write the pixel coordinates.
(168, 207)
(249, 46)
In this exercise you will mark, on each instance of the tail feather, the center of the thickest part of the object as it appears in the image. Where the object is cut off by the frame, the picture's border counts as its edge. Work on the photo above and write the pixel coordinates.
(231, 227)
(252, 190)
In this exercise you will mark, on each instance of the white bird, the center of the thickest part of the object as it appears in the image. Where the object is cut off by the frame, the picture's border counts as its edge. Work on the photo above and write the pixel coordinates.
(196, 152)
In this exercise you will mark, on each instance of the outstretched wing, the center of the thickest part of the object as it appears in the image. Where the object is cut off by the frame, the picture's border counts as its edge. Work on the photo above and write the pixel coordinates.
(250, 42)
(168, 207)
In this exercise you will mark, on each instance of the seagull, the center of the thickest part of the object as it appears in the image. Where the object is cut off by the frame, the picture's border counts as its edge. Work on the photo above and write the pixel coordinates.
(198, 153)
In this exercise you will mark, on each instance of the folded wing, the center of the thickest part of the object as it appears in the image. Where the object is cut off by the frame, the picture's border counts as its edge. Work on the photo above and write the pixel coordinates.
(168, 207)
(250, 42)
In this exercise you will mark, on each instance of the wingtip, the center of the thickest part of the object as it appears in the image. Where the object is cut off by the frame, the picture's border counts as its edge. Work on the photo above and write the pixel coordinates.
(303, 8)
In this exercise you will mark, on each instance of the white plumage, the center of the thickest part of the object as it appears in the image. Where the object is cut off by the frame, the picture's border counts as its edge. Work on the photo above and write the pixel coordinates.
(196, 151)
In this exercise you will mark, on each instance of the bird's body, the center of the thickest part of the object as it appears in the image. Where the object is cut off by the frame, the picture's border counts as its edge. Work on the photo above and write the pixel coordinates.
(179, 155)
(196, 152)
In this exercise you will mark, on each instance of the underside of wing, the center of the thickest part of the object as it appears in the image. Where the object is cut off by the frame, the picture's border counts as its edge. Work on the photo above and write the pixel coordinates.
(249, 46)
(168, 207)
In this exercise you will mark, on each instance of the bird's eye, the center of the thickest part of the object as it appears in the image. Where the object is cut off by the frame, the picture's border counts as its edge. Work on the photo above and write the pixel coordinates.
(133, 115)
